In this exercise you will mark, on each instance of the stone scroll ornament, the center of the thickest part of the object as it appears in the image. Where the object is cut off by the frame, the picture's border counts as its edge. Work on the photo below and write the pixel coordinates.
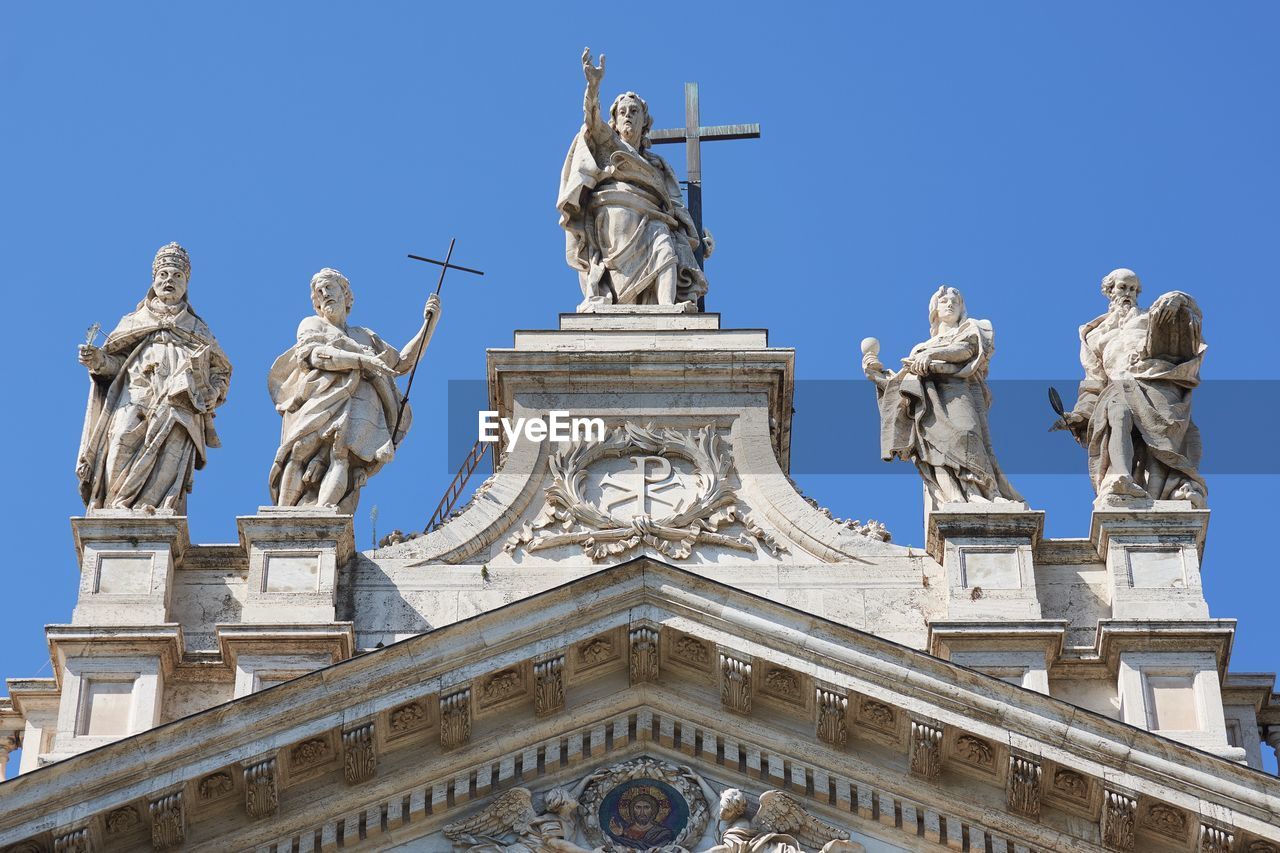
(602, 534)
(643, 804)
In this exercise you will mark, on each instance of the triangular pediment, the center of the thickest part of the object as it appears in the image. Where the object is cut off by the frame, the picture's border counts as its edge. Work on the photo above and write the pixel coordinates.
(891, 745)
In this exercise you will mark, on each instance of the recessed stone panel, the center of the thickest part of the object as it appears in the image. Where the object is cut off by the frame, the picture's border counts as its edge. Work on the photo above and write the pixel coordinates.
(990, 568)
(1152, 568)
(291, 573)
(124, 574)
(106, 708)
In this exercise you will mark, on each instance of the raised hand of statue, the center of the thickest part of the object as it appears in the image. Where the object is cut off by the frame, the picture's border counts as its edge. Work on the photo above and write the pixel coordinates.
(432, 308)
(92, 357)
(593, 74)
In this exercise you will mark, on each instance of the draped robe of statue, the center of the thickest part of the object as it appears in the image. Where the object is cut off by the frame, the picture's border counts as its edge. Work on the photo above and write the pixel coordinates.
(334, 412)
(151, 408)
(1147, 362)
(939, 421)
(625, 221)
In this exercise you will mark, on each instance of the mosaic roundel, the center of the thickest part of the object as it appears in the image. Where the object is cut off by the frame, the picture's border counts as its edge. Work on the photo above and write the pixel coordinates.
(644, 813)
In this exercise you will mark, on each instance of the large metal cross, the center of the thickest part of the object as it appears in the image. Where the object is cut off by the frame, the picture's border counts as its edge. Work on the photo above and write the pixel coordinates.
(692, 135)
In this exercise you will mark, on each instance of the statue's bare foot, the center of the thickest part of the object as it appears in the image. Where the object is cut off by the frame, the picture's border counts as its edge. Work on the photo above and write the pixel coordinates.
(1125, 486)
(1188, 492)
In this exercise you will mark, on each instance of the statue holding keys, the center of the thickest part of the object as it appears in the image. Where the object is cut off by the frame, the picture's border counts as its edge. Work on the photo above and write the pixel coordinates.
(933, 411)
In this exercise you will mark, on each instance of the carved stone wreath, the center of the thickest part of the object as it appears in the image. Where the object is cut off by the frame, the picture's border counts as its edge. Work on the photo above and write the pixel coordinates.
(606, 535)
(596, 787)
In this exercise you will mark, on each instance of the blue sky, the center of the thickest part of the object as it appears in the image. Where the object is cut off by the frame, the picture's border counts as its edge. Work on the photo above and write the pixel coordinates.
(1016, 150)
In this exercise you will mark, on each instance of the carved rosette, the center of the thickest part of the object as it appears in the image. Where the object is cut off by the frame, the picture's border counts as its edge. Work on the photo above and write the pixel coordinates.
(599, 784)
(1070, 784)
(455, 719)
(595, 651)
(359, 754)
(1024, 787)
(1214, 839)
(735, 684)
(260, 794)
(1119, 813)
(877, 714)
(122, 820)
(975, 751)
(500, 686)
(1166, 820)
(168, 822)
(408, 717)
(692, 651)
(75, 841)
(601, 534)
(644, 655)
(783, 683)
(926, 749)
(548, 686)
(309, 752)
(832, 709)
(215, 785)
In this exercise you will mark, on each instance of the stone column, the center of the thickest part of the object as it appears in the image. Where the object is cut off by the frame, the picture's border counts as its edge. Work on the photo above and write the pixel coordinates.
(9, 742)
(1272, 737)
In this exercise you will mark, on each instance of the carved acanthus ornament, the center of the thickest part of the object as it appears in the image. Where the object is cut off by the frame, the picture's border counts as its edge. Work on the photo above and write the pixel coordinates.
(455, 719)
(1024, 787)
(260, 792)
(603, 534)
(75, 841)
(359, 754)
(735, 684)
(832, 709)
(1119, 813)
(926, 749)
(1214, 839)
(548, 686)
(168, 822)
(644, 655)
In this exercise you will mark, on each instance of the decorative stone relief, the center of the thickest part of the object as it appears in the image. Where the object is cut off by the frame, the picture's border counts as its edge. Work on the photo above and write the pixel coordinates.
(1024, 787)
(1070, 784)
(1261, 846)
(975, 751)
(215, 785)
(654, 503)
(779, 822)
(1214, 839)
(455, 719)
(1165, 819)
(641, 804)
(511, 823)
(596, 651)
(783, 683)
(75, 841)
(692, 650)
(735, 684)
(548, 686)
(1119, 813)
(309, 753)
(877, 714)
(408, 717)
(644, 655)
(926, 749)
(122, 820)
(500, 686)
(168, 822)
(832, 710)
(359, 754)
(260, 793)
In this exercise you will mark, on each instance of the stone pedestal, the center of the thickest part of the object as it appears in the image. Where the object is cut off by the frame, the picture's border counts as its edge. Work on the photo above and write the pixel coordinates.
(1020, 653)
(1153, 556)
(294, 554)
(126, 566)
(988, 551)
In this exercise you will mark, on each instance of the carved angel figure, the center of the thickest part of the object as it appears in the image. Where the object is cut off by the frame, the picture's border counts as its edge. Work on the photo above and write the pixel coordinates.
(780, 825)
(1133, 412)
(511, 825)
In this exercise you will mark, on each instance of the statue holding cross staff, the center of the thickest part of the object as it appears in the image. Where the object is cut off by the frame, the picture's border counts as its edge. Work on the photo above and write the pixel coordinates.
(336, 393)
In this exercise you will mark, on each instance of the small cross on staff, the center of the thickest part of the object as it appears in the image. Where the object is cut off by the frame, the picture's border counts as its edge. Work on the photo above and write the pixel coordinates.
(445, 266)
(692, 134)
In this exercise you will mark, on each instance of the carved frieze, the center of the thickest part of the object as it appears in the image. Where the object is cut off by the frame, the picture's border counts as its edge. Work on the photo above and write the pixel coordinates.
(596, 651)
(832, 710)
(309, 753)
(1023, 788)
(455, 719)
(877, 714)
(1119, 813)
(1070, 784)
(359, 754)
(260, 791)
(692, 651)
(122, 820)
(735, 684)
(548, 686)
(1166, 820)
(215, 785)
(644, 655)
(168, 822)
(501, 686)
(784, 684)
(408, 717)
(926, 749)
(672, 494)
(975, 751)
(1260, 846)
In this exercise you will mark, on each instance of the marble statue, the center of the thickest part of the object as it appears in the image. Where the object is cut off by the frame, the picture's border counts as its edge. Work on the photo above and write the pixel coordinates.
(780, 825)
(933, 411)
(154, 385)
(510, 824)
(335, 389)
(627, 231)
(1133, 411)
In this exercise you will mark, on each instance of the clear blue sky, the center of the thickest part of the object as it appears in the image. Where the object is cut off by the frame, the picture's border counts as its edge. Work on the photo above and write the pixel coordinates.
(1016, 150)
